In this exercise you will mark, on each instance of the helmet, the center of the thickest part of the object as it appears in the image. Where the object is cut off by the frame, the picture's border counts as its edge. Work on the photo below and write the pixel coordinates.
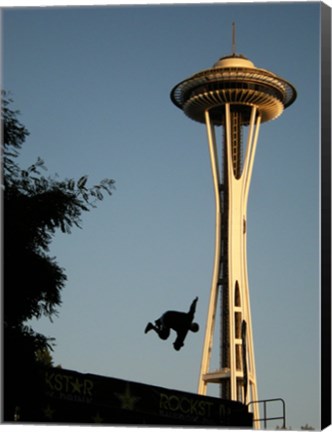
(194, 327)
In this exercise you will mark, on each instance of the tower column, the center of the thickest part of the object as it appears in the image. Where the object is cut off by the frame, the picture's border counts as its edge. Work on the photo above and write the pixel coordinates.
(210, 324)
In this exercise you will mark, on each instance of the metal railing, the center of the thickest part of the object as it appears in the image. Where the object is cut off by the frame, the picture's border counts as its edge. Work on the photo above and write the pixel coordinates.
(265, 417)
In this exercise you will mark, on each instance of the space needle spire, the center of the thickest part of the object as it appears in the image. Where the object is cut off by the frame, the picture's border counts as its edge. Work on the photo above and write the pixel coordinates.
(233, 39)
(238, 97)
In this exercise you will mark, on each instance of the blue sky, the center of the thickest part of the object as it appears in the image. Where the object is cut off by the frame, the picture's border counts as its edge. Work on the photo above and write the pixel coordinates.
(92, 85)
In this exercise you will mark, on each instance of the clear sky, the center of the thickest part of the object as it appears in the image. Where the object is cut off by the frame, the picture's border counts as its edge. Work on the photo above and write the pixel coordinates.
(92, 85)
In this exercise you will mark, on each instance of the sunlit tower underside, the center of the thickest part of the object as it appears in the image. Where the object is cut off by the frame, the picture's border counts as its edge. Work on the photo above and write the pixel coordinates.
(232, 94)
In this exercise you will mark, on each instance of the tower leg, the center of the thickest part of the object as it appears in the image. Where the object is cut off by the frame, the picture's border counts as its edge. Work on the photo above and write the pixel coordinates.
(210, 324)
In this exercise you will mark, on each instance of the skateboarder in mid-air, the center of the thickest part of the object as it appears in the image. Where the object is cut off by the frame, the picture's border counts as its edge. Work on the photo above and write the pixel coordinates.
(181, 322)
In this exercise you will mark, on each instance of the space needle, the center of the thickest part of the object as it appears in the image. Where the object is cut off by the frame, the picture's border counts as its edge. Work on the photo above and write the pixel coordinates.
(237, 96)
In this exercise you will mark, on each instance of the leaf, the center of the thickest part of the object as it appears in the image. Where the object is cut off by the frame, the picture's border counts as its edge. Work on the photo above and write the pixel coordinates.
(62, 226)
(82, 182)
(85, 196)
(40, 162)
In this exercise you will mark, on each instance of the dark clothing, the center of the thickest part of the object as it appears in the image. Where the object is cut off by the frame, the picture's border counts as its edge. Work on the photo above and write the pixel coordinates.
(180, 322)
(177, 321)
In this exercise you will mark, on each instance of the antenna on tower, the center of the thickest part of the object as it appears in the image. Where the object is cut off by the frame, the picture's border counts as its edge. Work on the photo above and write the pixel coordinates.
(233, 38)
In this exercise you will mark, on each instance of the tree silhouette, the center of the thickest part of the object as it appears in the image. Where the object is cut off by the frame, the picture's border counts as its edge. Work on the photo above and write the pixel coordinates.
(34, 208)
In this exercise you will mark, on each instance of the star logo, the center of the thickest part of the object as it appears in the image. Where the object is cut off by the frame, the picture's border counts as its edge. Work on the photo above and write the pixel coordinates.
(76, 385)
(48, 412)
(97, 418)
(128, 401)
